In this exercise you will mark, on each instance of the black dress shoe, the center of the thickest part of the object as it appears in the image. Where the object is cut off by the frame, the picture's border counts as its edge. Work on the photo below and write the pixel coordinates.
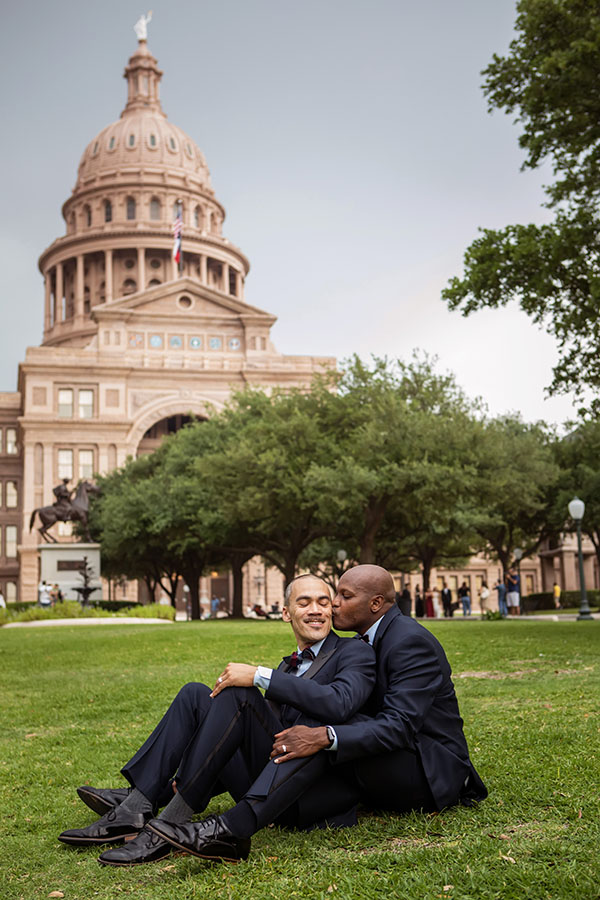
(115, 826)
(209, 839)
(102, 800)
(147, 847)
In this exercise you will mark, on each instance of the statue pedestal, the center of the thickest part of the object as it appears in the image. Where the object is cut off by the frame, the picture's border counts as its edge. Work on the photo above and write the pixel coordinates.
(61, 564)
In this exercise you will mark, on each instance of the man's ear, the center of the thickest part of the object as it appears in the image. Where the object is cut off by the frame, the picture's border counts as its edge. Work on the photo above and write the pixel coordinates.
(285, 614)
(376, 602)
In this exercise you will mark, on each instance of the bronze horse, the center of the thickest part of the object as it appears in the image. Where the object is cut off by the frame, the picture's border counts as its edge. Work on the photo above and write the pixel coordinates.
(78, 512)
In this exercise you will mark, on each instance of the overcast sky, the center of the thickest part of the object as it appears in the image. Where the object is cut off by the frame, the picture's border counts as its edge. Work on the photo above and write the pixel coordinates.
(348, 140)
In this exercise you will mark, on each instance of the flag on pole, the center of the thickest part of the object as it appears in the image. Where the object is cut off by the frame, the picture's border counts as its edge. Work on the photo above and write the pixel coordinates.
(177, 230)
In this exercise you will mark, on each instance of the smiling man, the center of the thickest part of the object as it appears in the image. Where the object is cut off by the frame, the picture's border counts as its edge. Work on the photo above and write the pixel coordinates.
(221, 739)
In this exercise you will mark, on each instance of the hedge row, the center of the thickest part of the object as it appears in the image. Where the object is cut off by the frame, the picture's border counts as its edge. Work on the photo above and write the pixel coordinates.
(568, 600)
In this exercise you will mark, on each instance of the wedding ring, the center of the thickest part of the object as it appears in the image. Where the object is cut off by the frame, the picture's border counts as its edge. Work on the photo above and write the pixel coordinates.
(219, 680)
(284, 748)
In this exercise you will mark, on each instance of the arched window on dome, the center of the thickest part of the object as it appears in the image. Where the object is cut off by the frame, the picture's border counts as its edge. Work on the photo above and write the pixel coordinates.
(129, 286)
(87, 215)
(130, 208)
(176, 207)
(107, 211)
(153, 282)
(153, 140)
(198, 217)
(155, 208)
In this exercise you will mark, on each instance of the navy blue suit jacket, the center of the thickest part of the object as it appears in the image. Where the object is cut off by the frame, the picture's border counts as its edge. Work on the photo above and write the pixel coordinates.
(336, 685)
(414, 707)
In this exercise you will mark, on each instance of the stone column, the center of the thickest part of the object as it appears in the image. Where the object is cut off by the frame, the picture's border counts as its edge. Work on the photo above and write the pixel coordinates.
(203, 269)
(225, 277)
(79, 288)
(238, 284)
(108, 275)
(141, 267)
(47, 300)
(59, 293)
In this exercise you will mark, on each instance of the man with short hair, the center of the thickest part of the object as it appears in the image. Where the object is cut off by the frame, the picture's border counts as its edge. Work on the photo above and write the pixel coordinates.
(405, 751)
(513, 593)
(221, 740)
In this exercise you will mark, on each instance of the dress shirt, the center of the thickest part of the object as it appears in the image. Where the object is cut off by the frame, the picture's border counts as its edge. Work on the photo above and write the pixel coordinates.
(262, 676)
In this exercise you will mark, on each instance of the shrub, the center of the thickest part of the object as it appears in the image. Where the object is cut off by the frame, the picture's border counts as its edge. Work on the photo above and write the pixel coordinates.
(152, 611)
(568, 599)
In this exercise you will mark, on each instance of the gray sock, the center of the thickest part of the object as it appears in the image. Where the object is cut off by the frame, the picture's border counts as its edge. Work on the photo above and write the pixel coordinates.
(136, 802)
(177, 811)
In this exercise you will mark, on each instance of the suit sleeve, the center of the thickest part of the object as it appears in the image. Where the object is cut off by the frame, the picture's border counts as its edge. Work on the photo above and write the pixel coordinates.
(414, 677)
(343, 695)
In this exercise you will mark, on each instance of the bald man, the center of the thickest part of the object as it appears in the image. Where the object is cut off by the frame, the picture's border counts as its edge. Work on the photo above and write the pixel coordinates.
(405, 750)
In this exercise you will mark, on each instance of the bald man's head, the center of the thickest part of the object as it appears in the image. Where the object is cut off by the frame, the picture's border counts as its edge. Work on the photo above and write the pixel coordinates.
(364, 594)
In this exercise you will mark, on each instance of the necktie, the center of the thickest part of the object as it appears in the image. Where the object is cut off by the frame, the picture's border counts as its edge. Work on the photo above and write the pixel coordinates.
(296, 658)
(362, 637)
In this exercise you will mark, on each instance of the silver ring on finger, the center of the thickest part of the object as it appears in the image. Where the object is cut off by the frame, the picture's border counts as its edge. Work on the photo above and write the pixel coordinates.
(284, 748)
(219, 680)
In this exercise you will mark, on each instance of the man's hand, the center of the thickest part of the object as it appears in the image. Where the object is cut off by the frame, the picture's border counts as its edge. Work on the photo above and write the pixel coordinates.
(300, 740)
(234, 675)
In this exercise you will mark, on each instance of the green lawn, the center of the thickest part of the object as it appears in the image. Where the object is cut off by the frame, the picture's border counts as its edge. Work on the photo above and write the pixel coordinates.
(77, 701)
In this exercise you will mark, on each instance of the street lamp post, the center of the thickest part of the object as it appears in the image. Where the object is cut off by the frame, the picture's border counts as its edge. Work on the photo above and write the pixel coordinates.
(576, 511)
(518, 554)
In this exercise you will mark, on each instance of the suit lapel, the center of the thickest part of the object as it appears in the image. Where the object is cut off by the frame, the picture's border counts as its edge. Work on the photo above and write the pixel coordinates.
(327, 650)
(385, 624)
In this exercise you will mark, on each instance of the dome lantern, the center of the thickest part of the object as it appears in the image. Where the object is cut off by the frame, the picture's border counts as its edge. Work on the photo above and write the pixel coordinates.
(143, 79)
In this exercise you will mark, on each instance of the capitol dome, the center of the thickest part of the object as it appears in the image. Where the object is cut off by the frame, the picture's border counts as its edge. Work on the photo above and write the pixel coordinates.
(142, 136)
(136, 178)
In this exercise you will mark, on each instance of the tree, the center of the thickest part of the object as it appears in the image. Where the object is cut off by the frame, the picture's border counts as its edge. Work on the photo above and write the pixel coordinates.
(550, 79)
(517, 483)
(578, 454)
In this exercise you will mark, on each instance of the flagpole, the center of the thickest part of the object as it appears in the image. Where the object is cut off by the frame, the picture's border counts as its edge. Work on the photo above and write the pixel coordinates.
(181, 245)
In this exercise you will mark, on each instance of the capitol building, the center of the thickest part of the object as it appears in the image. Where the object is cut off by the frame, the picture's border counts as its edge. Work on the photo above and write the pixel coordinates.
(134, 344)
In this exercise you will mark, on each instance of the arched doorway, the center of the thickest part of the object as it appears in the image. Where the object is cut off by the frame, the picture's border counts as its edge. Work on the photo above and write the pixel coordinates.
(154, 436)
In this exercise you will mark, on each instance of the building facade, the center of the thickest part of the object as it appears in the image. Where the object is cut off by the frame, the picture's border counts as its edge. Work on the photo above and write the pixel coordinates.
(133, 343)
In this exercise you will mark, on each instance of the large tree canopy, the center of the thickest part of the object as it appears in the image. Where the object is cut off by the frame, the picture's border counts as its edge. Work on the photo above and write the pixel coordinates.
(551, 80)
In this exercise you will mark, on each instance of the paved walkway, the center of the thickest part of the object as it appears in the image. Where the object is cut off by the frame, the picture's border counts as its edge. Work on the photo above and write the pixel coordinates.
(99, 620)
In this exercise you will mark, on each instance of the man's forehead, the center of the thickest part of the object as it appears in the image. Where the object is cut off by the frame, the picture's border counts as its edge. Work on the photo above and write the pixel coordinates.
(308, 587)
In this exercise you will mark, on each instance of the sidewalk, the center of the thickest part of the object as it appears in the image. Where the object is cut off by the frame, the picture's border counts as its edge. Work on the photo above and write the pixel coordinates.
(100, 620)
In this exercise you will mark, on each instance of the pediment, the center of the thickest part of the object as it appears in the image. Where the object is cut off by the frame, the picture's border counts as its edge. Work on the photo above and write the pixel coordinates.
(184, 298)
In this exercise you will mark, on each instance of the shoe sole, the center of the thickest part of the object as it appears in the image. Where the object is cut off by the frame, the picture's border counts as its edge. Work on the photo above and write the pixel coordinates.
(144, 862)
(86, 842)
(94, 802)
(193, 852)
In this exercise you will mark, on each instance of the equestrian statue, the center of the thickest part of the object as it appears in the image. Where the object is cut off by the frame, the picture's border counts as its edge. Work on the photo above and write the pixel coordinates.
(65, 508)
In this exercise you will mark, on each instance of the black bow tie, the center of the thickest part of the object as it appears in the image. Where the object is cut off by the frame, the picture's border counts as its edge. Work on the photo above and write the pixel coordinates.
(362, 637)
(296, 658)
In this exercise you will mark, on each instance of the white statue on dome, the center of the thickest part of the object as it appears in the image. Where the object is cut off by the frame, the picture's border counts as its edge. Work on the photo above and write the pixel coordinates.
(141, 26)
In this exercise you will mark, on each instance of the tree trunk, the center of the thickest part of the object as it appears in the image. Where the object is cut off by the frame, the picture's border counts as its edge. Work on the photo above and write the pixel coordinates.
(191, 575)
(374, 518)
(237, 564)
(426, 574)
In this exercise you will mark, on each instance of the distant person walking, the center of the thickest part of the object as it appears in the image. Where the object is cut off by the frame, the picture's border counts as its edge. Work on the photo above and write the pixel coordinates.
(513, 593)
(484, 596)
(447, 601)
(500, 588)
(465, 598)
(556, 595)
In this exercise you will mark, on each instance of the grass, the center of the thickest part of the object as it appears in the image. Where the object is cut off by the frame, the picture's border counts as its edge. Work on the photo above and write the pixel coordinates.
(77, 701)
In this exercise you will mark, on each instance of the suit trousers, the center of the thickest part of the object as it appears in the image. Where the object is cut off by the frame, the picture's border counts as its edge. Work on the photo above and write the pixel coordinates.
(158, 759)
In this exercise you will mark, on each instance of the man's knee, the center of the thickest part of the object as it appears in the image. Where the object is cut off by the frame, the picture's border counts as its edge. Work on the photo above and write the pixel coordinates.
(195, 695)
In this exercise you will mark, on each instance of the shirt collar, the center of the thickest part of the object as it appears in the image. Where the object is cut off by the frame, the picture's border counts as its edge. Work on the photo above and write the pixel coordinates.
(316, 648)
(372, 631)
